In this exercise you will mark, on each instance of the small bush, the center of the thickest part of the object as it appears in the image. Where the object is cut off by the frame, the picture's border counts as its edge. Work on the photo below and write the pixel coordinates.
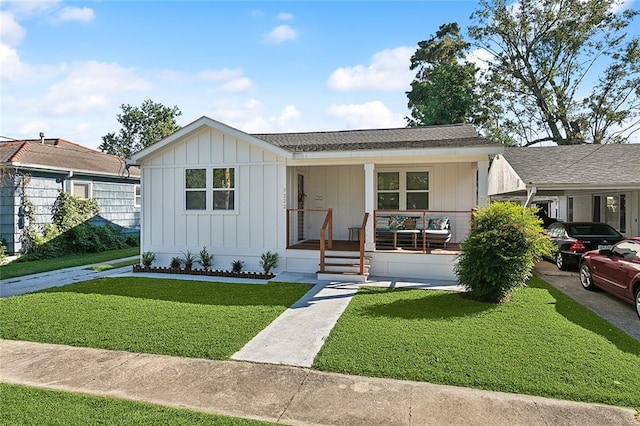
(147, 258)
(3, 249)
(205, 259)
(505, 241)
(269, 261)
(176, 263)
(189, 259)
(237, 265)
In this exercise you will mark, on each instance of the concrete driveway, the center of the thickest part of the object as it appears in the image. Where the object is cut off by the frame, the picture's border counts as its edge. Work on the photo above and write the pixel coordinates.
(621, 314)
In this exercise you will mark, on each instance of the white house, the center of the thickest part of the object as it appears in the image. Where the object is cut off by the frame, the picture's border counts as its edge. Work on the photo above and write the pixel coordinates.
(240, 195)
(598, 183)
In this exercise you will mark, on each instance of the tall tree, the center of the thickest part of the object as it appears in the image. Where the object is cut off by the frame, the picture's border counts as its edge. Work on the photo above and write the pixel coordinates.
(141, 127)
(443, 90)
(561, 70)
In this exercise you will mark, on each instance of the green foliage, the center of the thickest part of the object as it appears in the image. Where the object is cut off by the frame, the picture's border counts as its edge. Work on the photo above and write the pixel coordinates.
(443, 90)
(237, 265)
(70, 230)
(175, 263)
(269, 261)
(505, 241)
(141, 127)
(147, 258)
(189, 259)
(205, 259)
(3, 249)
(69, 211)
(544, 57)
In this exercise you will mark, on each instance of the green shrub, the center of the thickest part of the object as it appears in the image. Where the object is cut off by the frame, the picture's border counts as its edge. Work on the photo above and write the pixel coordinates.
(237, 265)
(3, 249)
(505, 241)
(175, 263)
(147, 258)
(205, 259)
(268, 261)
(189, 259)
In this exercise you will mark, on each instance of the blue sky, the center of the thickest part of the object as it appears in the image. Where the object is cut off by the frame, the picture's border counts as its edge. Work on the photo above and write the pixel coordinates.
(259, 66)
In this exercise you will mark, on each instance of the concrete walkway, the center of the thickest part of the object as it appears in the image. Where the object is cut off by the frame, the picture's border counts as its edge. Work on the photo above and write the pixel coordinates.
(284, 394)
(58, 278)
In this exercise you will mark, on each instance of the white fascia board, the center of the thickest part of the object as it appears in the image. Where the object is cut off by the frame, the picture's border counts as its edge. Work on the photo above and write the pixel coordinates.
(194, 126)
(398, 156)
(66, 170)
(586, 187)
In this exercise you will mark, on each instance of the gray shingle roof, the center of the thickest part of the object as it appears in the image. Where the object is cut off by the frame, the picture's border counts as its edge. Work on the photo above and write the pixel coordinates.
(61, 154)
(577, 164)
(446, 136)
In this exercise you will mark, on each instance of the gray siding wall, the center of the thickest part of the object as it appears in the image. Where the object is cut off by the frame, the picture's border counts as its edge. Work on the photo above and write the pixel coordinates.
(8, 210)
(116, 202)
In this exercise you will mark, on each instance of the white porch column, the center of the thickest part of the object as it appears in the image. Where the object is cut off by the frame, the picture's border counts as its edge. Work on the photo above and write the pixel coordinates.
(369, 206)
(483, 183)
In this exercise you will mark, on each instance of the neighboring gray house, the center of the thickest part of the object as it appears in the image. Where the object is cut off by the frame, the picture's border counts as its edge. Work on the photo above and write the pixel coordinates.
(40, 169)
(573, 182)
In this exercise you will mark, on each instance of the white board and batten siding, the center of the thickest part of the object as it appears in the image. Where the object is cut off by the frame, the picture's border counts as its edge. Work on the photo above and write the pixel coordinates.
(256, 225)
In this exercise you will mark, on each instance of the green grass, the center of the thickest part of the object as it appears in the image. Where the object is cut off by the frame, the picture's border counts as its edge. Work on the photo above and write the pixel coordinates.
(171, 317)
(21, 405)
(18, 269)
(112, 265)
(541, 343)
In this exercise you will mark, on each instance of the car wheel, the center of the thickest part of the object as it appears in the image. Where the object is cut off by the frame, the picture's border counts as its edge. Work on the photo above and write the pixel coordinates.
(585, 277)
(560, 261)
(637, 296)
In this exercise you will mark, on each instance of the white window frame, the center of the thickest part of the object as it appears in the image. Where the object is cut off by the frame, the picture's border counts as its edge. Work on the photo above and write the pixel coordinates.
(88, 184)
(137, 195)
(209, 189)
(402, 190)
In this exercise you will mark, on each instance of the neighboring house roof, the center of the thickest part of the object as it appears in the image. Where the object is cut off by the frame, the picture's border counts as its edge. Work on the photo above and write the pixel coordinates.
(552, 170)
(290, 145)
(64, 156)
(576, 164)
(443, 136)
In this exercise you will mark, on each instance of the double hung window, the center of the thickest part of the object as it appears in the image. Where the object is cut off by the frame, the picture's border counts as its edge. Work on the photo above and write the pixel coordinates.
(403, 190)
(210, 189)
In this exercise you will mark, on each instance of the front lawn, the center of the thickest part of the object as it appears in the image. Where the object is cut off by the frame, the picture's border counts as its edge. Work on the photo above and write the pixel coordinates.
(18, 268)
(21, 405)
(541, 343)
(171, 317)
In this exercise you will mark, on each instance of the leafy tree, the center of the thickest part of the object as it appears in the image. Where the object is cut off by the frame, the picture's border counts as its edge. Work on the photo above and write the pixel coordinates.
(545, 54)
(505, 241)
(141, 127)
(443, 90)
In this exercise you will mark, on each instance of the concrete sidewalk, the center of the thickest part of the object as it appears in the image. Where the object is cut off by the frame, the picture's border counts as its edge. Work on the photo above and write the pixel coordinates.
(283, 394)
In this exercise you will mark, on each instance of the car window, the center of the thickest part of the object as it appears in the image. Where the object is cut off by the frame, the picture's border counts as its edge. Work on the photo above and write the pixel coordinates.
(555, 231)
(592, 229)
(626, 249)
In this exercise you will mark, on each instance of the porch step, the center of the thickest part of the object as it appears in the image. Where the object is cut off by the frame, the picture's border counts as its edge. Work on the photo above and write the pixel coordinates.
(342, 277)
(344, 267)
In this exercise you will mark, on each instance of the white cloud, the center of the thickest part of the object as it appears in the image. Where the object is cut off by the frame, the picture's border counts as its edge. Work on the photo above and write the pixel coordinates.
(16, 71)
(11, 33)
(389, 70)
(284, 16)
(32, 7)
(231, 80)
(280, 34)
(89, 87)
(73, 14)
(370, 115)
(480, 58)
(622, 5)
(242, 84)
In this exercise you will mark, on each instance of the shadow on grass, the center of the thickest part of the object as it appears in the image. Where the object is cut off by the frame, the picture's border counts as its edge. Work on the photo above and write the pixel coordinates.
(434, 305)
(587, 319)
(196, 292)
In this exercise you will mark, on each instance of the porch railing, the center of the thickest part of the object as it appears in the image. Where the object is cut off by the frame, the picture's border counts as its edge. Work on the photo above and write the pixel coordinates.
(328, 223)
(361, 237)
(302, 212)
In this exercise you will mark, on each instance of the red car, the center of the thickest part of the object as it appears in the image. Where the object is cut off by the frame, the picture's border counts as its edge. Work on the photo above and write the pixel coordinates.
(615, 270)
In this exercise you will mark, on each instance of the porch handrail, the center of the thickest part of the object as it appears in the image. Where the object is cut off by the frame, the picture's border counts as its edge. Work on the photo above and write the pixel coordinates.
(328, 223)
(361, 236)
(289, 211)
